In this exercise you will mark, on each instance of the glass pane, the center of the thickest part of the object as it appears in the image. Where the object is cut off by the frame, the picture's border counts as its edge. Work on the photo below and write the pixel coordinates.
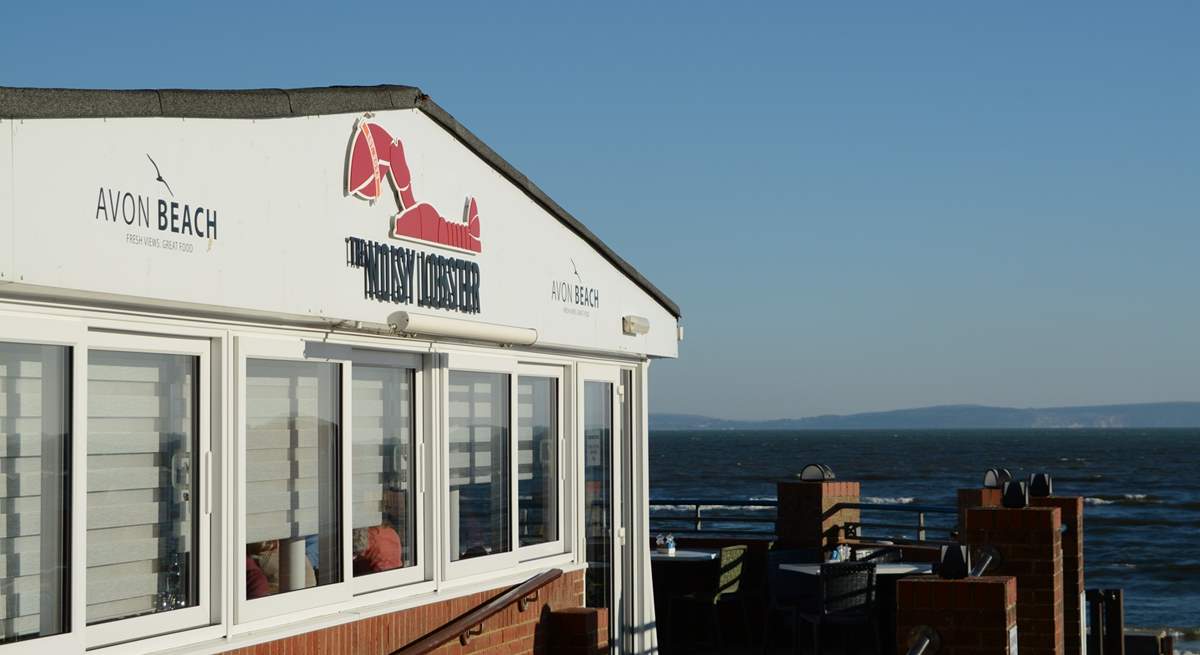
(35, 389)
(537, 459)
(293, 436)
(479, 466)
(383, 474)
(141, 521)
(598, 480)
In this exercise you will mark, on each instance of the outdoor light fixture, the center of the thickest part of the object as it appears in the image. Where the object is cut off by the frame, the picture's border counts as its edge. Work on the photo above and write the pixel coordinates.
(955, 563)
(996, 477)
(923, 640)
(1041, 485)
(816, 473)
(1016, 495)
(440, 326)
(985, 557)
(635, 325)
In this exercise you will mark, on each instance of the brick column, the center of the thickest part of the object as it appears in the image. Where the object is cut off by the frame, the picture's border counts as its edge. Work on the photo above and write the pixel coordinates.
(973, 616)
(1074, 604)
(980, 497)
(806, 517)
(578, 631)
(1030, 544)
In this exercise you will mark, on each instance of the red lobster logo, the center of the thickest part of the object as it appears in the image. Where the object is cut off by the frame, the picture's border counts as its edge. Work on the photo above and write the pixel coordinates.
(375, 154)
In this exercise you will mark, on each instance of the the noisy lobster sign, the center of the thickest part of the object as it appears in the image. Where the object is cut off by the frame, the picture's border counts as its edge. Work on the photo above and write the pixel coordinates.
(374, 155)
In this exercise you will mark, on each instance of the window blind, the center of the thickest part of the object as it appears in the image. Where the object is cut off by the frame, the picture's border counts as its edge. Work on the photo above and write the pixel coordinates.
(34, 396)
(382, 426)
(142, 428)
(480, 497)
(292, 456)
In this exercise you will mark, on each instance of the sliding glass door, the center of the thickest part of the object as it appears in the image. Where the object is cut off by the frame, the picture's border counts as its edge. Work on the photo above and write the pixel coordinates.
(603, 512)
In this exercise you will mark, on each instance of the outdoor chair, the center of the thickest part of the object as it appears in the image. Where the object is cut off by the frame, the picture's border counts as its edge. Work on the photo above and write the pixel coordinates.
(846, 598)
(724, 585)
(788, 592)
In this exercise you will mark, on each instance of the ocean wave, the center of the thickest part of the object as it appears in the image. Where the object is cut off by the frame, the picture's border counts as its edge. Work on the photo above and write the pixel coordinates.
(1123, 499)
(898, 500)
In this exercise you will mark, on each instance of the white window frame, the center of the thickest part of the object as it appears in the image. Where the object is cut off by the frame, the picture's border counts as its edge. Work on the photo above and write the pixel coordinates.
(148, 625)
(24, 329)
(295, 349)
(421, 569)
(498, 562)
(558, 546)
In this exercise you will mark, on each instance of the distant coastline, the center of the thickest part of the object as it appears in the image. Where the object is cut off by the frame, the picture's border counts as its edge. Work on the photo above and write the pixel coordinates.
(960, 417)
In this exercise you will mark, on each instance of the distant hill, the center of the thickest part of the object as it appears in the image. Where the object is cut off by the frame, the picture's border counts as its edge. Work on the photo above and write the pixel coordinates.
(1144, 415)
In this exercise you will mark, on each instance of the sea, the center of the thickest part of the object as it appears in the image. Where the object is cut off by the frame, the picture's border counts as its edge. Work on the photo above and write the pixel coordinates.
(1141, 491)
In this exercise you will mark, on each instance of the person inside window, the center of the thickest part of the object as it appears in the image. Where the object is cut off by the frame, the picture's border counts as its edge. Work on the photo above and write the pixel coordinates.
(376, 548)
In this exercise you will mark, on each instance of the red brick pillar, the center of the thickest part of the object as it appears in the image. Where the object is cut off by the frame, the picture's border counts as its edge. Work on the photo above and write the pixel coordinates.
(972, 616)
(578, 631)
(1074, 604)
(1030, 544)
(806, 516)
(980, 497)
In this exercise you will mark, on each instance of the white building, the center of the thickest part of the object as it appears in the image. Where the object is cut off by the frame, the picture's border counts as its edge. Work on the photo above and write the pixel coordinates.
(273, 361)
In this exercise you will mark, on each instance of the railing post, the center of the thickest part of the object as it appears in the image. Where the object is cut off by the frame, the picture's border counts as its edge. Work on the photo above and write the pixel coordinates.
(1095, 640)
(699, 523)
(1114, 622)
(920, 526)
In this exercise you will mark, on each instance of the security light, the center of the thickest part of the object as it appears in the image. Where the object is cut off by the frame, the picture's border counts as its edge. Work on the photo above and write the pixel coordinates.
(635, 325)
(984, 558)
(1041, 485)
(954, 563)
(995, 478)
(1016, 495)
(816, 472)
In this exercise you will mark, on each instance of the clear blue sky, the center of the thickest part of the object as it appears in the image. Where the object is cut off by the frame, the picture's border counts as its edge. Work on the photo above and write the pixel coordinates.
(858, 207)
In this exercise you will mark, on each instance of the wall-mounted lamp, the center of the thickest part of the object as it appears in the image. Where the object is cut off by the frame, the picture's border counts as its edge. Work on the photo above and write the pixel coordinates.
(1016, 495)
(996, 477)
(984, 558)
(954, 563)
(454, 328)
(635, 325)
(816, 473)
(1041, 485)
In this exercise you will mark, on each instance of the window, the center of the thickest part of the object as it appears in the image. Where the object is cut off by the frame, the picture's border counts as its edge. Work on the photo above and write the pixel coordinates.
(142, 532)
(35, 401)
(383, 468)
(292, 482)
(537, 460)
(480, 492)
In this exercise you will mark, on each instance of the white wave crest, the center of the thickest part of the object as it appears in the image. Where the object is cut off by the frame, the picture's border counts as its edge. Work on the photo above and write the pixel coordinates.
(1098, 501)
(899, 500)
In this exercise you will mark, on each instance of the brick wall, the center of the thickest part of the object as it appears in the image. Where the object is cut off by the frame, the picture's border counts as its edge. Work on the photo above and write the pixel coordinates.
(977, 497)
(1030, 544)
(973, 616)
(806, 518)
(1072, 552)
(511, 632)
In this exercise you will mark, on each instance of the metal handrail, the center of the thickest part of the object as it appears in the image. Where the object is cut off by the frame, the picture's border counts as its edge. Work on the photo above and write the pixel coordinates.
(694, 510)
(471, 623)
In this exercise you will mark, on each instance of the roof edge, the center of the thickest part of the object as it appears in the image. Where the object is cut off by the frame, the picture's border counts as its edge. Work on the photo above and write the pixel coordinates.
(18, 103)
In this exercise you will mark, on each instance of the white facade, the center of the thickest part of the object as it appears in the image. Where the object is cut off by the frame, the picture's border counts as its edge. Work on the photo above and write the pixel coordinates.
(194, 299)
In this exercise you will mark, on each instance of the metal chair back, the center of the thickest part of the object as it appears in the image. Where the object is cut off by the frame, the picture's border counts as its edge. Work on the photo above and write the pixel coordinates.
(847, 587)
(729, 577)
